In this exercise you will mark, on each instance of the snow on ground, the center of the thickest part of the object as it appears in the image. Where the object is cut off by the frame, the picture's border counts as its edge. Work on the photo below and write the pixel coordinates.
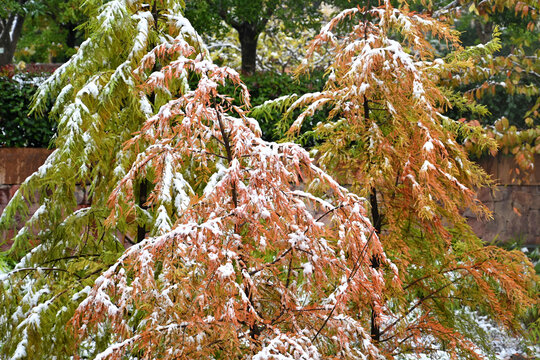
(503, 345)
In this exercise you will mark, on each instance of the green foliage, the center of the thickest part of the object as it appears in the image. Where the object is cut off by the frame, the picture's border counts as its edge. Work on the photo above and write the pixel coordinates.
(206, 15)
(18, 128)
(266, 87)
(251, 18)
(16, 7)
(6, 264)
(271, 96)
(50, 32)
(61, 248)
(531, 317)
(507, 83)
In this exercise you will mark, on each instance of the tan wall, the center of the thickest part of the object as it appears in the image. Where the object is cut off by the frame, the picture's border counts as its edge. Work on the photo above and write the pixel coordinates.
(503, 169)
(515, 203)
(516, 208)
(16, 164)
(516, 214)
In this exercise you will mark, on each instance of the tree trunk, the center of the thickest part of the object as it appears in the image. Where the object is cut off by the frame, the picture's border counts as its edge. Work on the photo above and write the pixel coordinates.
(71, 39)
(143, 196)
(10, 32)
(248, 36)
(377, 224)
(375, 262)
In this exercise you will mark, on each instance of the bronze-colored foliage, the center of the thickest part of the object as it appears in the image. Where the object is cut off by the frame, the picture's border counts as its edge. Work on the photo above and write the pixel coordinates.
(243, 267)
(387, 137)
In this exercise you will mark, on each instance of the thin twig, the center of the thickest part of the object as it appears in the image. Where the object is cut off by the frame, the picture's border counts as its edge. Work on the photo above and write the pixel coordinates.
(353, 272)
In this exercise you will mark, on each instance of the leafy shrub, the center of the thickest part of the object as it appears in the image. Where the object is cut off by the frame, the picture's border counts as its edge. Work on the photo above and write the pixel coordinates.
(18, 128)
(269, 86)
(265, 86)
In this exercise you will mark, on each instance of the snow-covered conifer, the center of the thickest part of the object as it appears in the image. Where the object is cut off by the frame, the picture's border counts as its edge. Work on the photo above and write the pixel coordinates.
(386, 135)
(232, 262)
(98, 105)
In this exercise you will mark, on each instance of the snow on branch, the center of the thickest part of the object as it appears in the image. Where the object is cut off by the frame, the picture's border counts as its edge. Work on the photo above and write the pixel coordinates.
(221, 254)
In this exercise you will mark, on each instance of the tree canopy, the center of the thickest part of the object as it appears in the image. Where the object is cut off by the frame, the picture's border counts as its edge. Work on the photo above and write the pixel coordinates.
(40, 31)
(50, 33)
(251, 18)
(387, 136)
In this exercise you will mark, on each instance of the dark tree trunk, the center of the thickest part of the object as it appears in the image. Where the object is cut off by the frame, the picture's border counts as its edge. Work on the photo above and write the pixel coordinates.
(143, 194)
(71, 39)
(10, 32)
(377, 224)
(248, 36)
(375, 262)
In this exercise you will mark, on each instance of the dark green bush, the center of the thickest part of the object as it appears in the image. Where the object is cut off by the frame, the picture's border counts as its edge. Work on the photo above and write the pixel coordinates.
(266, 86)
(17, 127)
(269, 86)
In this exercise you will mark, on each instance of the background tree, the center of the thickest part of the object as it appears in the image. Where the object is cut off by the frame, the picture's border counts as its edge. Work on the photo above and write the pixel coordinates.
(277, 51)
(12, 16)
(507, 81)
(387, 136)
(251, 18)
(45, 22)
(50, 32)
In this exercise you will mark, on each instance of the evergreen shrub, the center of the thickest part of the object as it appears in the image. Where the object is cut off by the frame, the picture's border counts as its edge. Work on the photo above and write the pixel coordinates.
(18, 128)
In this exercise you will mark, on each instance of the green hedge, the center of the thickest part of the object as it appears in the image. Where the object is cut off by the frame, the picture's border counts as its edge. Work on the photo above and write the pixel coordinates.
(269, 86)
(17, 127)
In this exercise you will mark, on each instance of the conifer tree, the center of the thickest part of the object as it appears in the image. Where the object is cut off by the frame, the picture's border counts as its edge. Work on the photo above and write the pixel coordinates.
(387, 137)
(62, 248)
(243, 269)
(227, 257)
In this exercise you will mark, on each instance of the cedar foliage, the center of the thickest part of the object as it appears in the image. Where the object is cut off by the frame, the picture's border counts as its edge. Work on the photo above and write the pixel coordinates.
(387, 137)
(98, 105)
(244, 268)
(232, 262)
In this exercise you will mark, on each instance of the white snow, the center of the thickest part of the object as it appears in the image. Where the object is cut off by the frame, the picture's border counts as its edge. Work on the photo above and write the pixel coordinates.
(428, 146)
(163, 222)
(427, 166)
(308, 268)
(225, 271)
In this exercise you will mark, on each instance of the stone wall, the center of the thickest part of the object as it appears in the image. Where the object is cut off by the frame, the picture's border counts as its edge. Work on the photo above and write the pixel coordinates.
(516, 214)
(515, 206)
